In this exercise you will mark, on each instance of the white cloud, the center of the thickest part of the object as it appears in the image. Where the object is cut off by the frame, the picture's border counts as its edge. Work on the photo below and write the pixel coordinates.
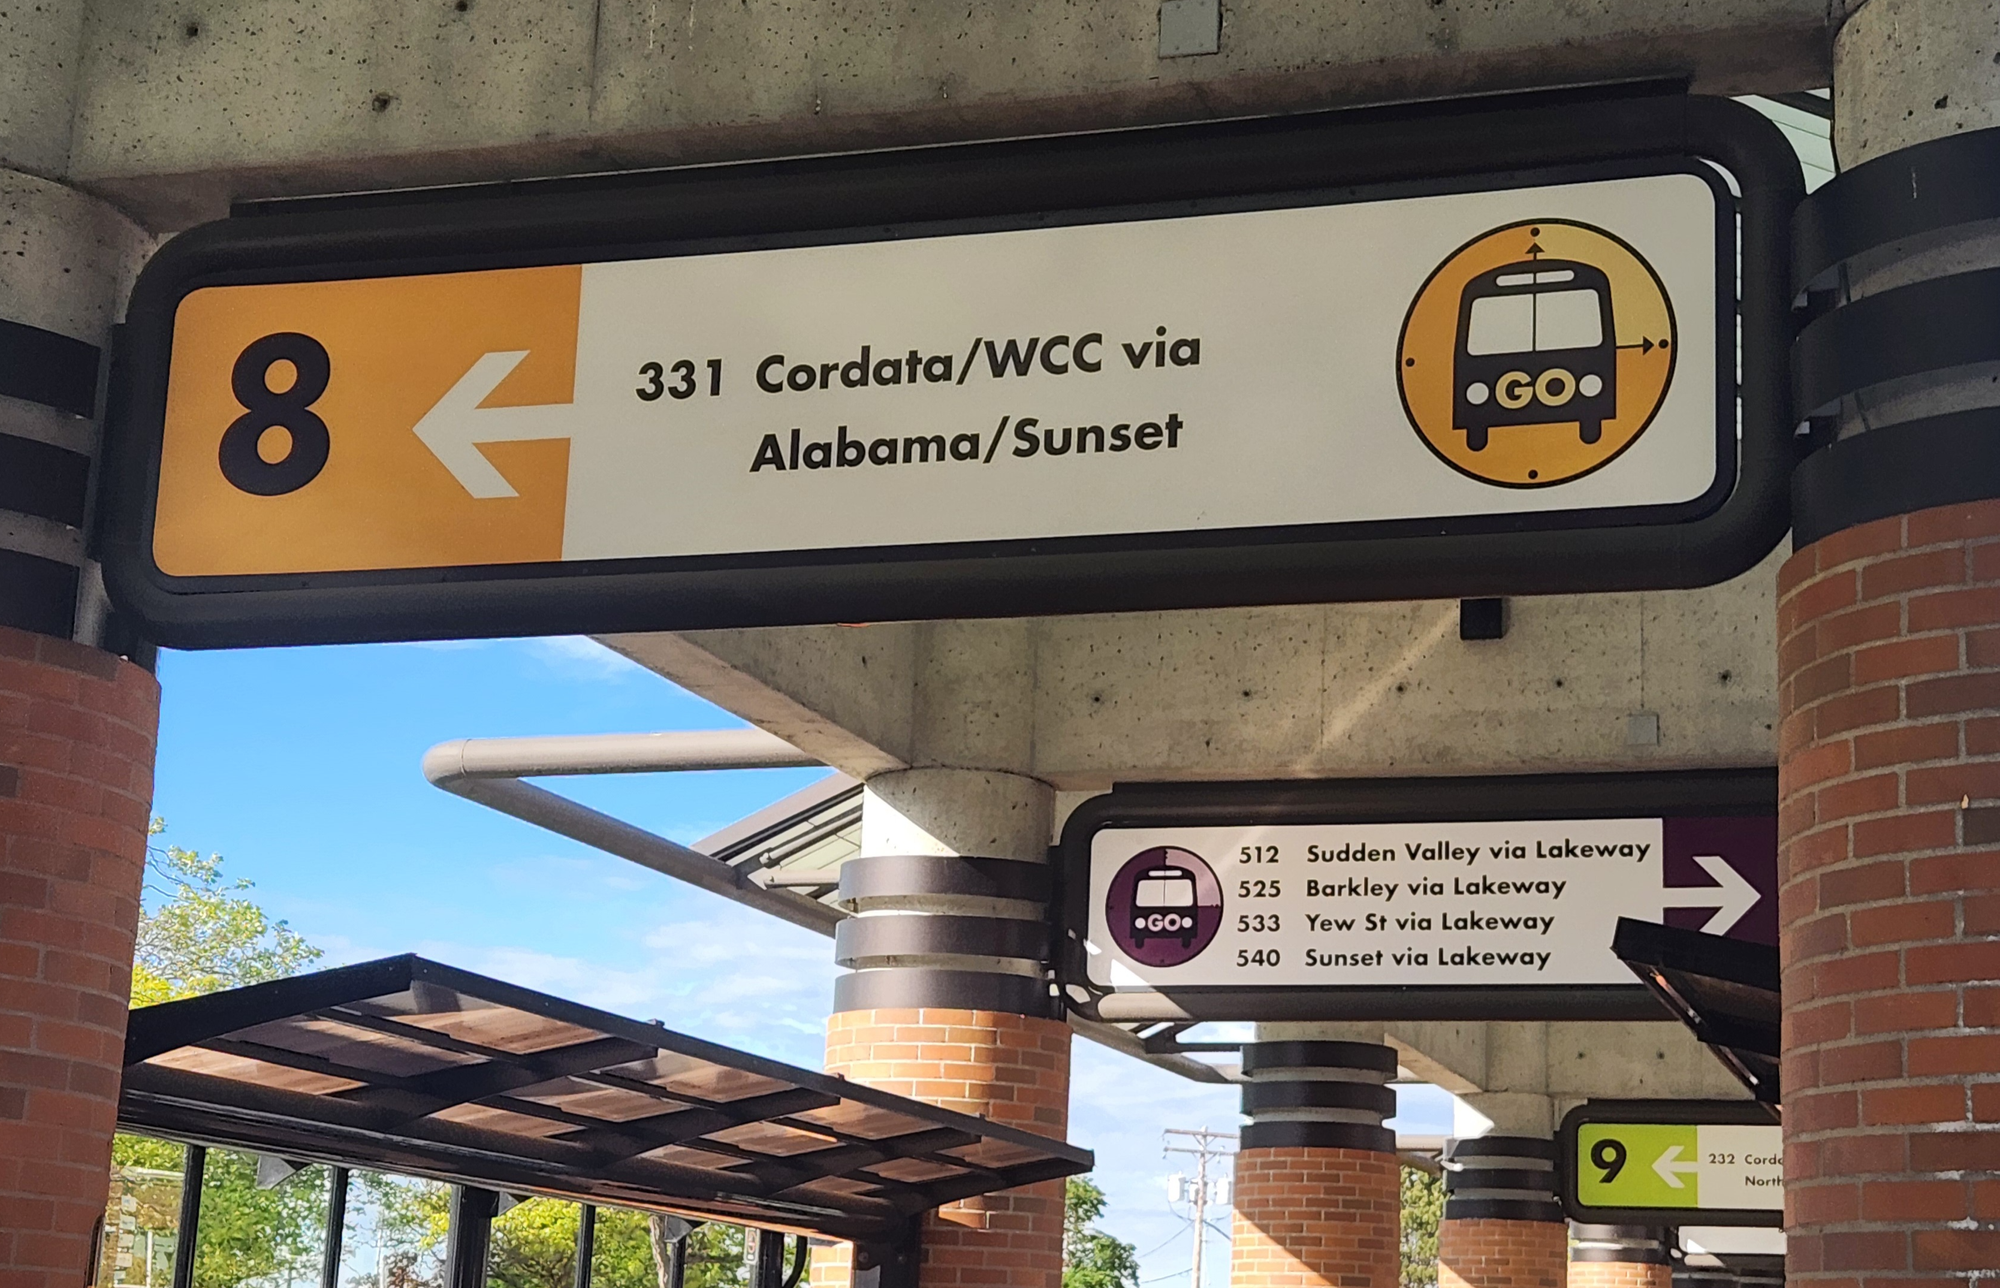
(579, 657)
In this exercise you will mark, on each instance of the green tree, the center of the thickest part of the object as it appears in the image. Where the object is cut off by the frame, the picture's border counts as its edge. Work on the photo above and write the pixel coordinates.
(1423, 1208)
(1092, 1258)
(202, 933)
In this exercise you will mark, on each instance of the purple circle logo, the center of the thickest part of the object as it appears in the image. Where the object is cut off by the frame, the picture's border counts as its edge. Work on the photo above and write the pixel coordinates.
(1164, 906)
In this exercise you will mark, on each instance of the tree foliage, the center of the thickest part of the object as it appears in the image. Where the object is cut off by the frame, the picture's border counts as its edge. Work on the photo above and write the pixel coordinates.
(203, 933)
(1423, 1208)
(1092, 1258)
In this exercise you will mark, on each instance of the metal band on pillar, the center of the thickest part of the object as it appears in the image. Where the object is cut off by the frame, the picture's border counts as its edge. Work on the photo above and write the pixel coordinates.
(1942, 330)
(1632, 1245)
(937, 930)
(44, 477)
(1501, 1178)
(1327, 1095)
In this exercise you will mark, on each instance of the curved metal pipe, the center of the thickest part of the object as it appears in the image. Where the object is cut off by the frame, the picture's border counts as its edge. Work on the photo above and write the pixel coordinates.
(489, 771)
(611, 753)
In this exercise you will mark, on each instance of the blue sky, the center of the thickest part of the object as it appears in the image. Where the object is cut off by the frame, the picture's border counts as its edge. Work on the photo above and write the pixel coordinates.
(300, 766)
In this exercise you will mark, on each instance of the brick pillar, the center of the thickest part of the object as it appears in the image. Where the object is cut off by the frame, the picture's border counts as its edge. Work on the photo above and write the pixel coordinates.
(1013, 1069)
(947, 1000)
(1309, 1217)
(1318, 1194)
(1503, 1226)
(76, 784)
(1619, 1256)
(1619, 1274)
(1889, 639)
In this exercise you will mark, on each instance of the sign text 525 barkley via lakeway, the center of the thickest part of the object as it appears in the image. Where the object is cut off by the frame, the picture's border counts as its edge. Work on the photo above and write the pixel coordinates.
(1206, 913)
(1186, 383)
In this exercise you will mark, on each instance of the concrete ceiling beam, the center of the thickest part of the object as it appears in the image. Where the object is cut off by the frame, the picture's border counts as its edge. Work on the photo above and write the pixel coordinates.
(184, 108)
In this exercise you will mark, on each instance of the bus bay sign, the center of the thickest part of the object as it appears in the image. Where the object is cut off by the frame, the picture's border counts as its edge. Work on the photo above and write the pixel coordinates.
(1671, 1162)
(1256, 362)
(1285, 901)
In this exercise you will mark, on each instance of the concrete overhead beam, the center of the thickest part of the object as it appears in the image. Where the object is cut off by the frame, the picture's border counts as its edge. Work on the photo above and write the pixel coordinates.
(184, 107)
(1312, 691)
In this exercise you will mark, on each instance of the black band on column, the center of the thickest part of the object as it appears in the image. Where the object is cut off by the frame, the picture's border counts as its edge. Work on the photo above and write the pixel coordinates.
(1898, 196)
(41, 479)
(883, 876)
(37, 594)
(1928, 326)
(1501, 1178)
(1318, 1135)
(1632, 1245)
(962, 990)
(44, 367)
(1941, 460)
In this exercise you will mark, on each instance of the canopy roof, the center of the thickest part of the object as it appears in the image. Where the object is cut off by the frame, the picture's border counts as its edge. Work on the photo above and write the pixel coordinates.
(1726, 990)
(405, 1065)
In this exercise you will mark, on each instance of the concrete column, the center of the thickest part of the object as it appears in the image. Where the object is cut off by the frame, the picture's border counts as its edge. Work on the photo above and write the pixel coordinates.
(76, 724)
(66, 259)
(948, 1003)
(1889, 754)
(76, 785)
(1619, 1256)
(1318, 1193)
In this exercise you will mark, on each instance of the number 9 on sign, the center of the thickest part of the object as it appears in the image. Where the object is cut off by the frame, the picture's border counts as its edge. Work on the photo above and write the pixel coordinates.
(1609, 1157)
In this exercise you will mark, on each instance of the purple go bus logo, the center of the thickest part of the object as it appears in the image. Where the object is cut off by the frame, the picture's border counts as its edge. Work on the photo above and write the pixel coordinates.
(1164, 906)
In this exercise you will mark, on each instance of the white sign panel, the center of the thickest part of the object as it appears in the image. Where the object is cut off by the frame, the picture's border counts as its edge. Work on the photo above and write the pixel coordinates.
(1403, 904)
(1498, 353)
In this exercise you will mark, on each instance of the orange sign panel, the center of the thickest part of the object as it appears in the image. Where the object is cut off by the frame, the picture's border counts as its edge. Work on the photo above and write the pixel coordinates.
(390, 348)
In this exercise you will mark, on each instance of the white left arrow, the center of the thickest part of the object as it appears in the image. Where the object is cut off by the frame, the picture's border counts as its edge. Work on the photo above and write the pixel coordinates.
(1732, 896)
(1669, 1167)
(456, 424)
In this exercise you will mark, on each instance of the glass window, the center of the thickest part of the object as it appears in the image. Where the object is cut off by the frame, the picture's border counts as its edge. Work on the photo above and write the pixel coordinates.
(260, 1231)
(1164, 892)
(143, 1217)
(1568, 320)
(394, 1235)
(534, 1245)
(1501, 324)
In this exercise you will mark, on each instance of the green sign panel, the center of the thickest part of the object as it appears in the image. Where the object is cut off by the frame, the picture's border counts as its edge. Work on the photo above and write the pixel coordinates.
(1629, 1163)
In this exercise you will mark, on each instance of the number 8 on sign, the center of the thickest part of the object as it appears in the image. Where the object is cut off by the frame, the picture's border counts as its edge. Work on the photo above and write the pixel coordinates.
(241, 454)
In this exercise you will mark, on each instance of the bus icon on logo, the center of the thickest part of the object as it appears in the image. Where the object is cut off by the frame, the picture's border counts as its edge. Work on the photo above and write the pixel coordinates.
(1164, 906)
(1535, 344)
(1536, 353)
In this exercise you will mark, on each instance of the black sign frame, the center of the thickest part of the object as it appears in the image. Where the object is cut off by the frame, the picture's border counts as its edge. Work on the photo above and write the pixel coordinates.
(1351, 155)
(1496, 798)
(1750, 1113)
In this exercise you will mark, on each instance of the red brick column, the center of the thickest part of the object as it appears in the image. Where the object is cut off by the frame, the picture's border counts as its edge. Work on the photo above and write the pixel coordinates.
(1310, 1217)
(1503, 1226)
(1502, 1254)
(1013, 1069)
(1618, 1274)
(1889, 771)
(1619, 1256)
(76, 784)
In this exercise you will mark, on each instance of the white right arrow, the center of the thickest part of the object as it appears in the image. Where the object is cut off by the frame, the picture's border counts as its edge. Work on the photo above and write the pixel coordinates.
(1732, 891)
(1669, 1166)
(457, 423)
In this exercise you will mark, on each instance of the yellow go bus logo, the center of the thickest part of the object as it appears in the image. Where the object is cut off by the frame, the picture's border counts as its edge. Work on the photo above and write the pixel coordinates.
(1536, 353)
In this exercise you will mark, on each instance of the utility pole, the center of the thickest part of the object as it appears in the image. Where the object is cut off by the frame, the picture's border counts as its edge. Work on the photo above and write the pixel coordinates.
(1205, 1147)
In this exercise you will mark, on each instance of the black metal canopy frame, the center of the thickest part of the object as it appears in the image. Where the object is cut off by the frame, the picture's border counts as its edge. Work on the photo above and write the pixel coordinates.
(408, 1066)
(1725, 990)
